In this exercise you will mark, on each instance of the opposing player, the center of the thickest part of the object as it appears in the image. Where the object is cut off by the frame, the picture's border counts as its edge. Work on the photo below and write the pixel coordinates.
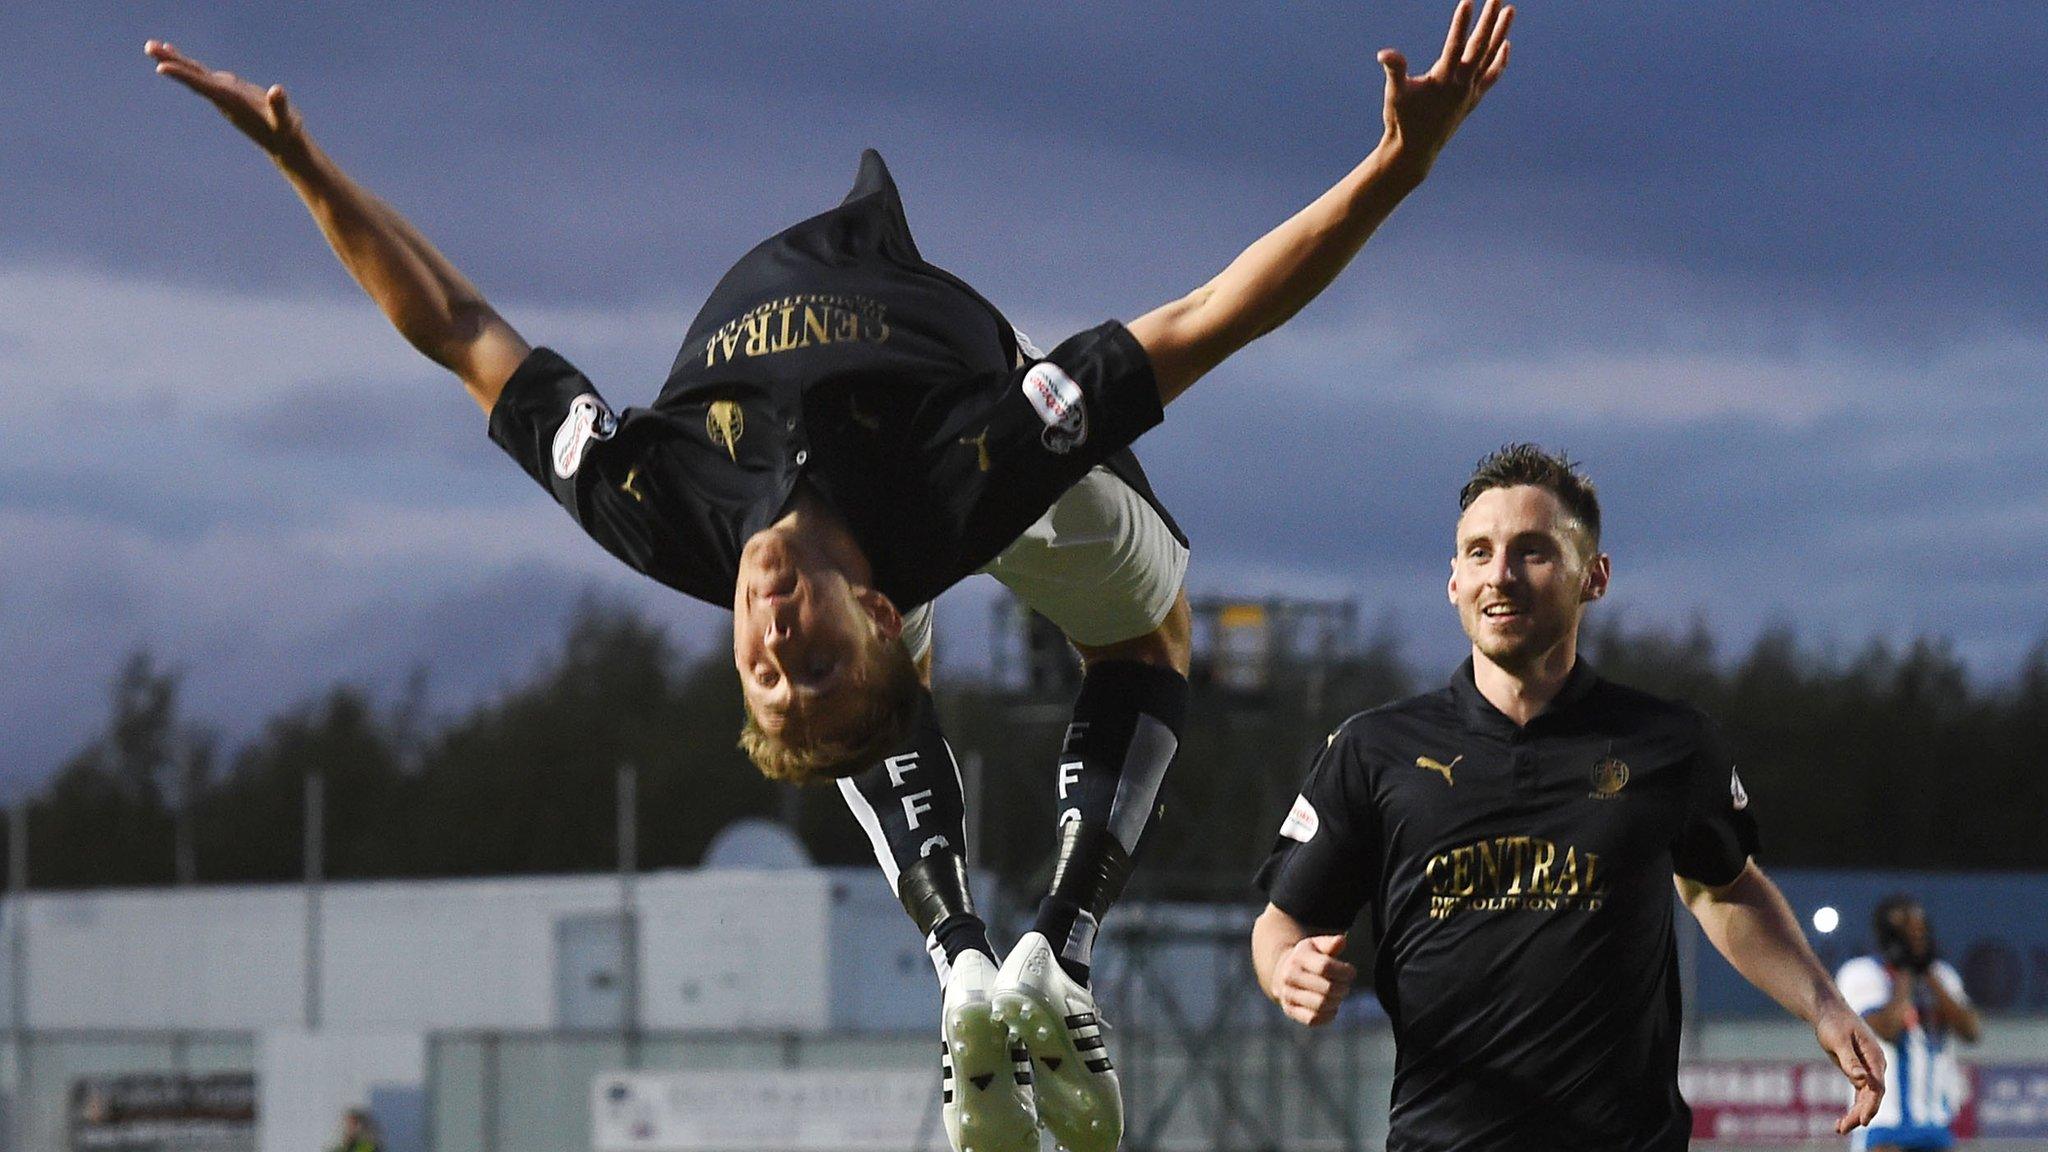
(847, 431)
(1914, 1001)
(1517, 835)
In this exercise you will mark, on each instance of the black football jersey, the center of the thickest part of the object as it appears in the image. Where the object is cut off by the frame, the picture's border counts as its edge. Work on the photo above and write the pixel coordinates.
(833, 355)
(1520, 886)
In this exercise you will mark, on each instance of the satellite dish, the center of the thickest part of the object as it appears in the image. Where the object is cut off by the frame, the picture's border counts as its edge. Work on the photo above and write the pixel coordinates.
(756, 844)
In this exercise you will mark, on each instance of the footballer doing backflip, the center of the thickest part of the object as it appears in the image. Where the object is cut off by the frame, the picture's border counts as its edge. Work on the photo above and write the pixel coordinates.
(846, 432)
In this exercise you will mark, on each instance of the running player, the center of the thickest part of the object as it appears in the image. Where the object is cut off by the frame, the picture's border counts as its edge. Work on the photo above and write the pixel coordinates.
(848, 431)
(1517, 834)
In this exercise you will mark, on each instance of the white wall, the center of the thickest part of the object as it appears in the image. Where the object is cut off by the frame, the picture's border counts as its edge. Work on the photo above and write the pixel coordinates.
(738, 950)
(306, 1080)
(226, 958)
(719, 949)
(448, 954)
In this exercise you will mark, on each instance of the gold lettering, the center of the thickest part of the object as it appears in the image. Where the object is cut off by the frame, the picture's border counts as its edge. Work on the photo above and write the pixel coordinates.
(1489, 865)
(725, 340)
(1434, 870)
(1461, 871)
(1521, 846)
(1539, 873)
(1568, 873)
(797, 321)
(757, 335)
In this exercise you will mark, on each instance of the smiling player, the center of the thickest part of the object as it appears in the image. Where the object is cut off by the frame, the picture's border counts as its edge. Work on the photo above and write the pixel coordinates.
(1516, 835)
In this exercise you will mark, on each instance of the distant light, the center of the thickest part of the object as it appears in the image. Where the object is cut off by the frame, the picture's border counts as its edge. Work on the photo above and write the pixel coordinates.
(1826, 920)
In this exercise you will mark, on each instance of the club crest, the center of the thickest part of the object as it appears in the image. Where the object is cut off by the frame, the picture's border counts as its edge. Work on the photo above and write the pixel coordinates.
(725, 422)
(1610, 776)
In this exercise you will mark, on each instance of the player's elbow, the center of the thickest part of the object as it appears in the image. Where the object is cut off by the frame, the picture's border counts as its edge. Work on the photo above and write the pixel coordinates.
(445, 328)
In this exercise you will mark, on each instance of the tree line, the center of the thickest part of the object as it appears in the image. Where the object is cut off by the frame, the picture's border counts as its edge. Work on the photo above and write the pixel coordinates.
(1889, 757)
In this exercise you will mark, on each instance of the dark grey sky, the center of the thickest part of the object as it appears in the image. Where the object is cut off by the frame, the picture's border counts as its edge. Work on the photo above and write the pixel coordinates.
(1773, 272)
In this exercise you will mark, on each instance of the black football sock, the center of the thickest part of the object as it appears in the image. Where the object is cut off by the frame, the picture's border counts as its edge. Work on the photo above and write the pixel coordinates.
(912, 808)
(1126, 728)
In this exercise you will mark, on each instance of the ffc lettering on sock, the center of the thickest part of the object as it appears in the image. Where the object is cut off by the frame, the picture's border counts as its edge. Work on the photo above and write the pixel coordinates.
(1125, 731)
(913, 810)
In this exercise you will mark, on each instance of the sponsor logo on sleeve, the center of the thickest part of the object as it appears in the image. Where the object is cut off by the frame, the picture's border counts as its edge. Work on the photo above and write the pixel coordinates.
(1301, 822)
(1057, 400)
(1736, 792)
(588, 420)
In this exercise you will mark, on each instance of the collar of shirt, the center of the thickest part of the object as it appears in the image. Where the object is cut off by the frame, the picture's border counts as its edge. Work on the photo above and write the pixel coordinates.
(1479, 714)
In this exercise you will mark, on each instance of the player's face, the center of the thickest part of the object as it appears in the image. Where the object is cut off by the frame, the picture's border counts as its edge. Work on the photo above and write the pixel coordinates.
(800, 631)
(1522, 576)
(1911, 921)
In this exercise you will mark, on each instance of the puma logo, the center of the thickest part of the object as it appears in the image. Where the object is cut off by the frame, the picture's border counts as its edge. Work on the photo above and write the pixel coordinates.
(1441, 769)
(626, 486)
(980, 445)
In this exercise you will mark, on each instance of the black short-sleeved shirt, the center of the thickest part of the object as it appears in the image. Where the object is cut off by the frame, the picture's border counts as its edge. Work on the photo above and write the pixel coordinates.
(1520, 885)
(834, 356)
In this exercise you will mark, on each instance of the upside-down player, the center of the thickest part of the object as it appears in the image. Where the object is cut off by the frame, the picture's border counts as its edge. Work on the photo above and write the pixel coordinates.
(847, 432)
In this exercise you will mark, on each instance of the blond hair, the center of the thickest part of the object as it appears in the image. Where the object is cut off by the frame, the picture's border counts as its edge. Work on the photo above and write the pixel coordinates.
(806, 750)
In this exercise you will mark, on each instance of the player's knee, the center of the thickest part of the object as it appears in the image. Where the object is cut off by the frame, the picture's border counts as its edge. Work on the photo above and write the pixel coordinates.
(1177, 632)
(1169, 645)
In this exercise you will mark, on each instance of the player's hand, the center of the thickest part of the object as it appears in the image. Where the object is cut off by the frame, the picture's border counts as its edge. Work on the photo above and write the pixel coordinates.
(1422, 112)
(263, 115)
(1311, 982)
(1844, 1035)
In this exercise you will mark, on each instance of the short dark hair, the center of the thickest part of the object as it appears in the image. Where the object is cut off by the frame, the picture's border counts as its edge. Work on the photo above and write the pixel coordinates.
(1890, 906)
(801, 755)
(1515, 465)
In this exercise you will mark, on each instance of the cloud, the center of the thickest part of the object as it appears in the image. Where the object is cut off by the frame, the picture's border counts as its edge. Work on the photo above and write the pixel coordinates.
(1881, 195)
(258, 617)
(1774, 288)
(268, 471)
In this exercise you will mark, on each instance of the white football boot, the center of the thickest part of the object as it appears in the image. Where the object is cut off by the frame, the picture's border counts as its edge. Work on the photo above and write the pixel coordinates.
(1079, 1098)
(984, 1079)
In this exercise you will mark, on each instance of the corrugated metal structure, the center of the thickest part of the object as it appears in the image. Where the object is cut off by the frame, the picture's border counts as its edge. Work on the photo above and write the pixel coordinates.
(330, 993)
(474, 1015)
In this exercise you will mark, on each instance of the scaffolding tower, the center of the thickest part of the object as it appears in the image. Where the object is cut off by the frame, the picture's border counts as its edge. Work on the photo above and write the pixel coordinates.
(1201, 1046)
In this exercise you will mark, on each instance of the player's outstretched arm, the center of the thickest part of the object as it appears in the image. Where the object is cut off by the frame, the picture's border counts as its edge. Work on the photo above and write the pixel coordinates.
(1275, 277)
(1298, 971)
(1750, 923)
(1955, 1013)
(433, 306)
